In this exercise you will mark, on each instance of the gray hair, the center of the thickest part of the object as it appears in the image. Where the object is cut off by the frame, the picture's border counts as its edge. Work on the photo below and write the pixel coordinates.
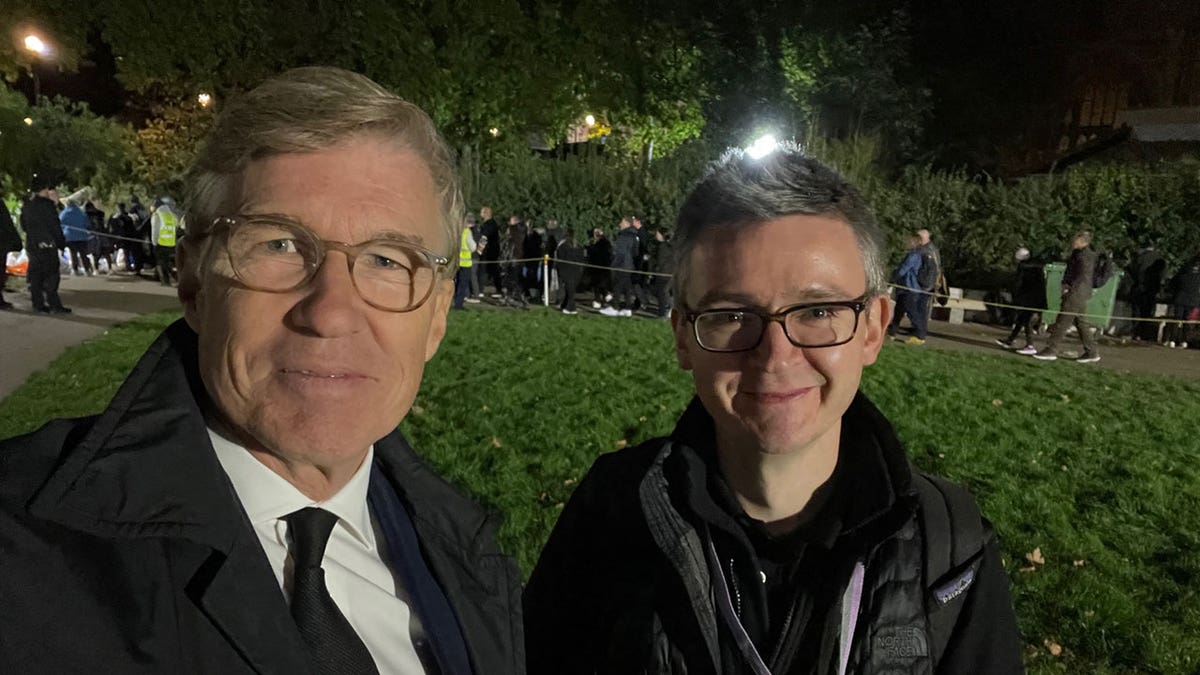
(739, 190)
(305, 110)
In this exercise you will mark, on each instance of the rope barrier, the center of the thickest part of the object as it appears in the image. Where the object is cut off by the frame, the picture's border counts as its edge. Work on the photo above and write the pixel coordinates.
(104, 234)
(1098, 317)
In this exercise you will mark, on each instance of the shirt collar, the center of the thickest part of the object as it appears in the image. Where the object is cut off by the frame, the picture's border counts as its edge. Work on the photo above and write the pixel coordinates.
(266, 496)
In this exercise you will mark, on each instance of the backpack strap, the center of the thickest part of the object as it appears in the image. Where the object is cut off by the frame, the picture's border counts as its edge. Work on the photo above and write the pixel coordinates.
(954, 534)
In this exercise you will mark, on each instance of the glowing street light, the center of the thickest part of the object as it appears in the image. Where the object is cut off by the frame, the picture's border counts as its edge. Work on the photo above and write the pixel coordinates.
(590, 120)
(35, 44)
(494, 132)
(762, 146)
(29, 121)
(204, 99)
(38, 46)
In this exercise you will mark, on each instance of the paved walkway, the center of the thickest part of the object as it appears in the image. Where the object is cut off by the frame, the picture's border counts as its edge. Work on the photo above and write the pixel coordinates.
(33, 341)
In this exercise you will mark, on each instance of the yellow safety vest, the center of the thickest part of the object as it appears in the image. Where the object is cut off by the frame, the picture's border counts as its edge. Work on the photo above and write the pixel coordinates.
(166, 231)
(464, 250)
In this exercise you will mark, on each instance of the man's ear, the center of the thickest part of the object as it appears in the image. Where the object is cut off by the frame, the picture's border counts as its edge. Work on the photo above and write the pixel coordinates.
(187, 259)
(873, 325)
(683, 338)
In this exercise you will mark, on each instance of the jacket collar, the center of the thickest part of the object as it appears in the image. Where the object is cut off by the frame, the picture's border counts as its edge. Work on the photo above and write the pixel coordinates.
(872, 465)
(145, 467)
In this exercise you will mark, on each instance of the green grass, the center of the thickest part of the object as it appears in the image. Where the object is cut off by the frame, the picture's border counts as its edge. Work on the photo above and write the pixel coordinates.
(1085, 464)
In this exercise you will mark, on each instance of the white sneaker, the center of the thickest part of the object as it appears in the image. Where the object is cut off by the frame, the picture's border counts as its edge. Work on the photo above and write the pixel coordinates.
(595, 304)
(1088, 358)
(569, 312)
(1183, 345)
(474, 301)
(1028, 351)
(609, 311)
(1171, 344)
(626, 312)
(608, 297)
(1050, 357)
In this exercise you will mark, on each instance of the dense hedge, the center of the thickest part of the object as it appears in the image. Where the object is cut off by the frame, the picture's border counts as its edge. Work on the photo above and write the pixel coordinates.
(978, 222)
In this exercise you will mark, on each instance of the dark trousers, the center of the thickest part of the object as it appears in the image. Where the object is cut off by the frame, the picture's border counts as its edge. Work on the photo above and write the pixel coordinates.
(1143, 308)
(661, 285)
(1181, 332)
(133, 256)
(165, 257)
(600, 282)
(569, 283)
(916, 307)
(462, 286)
(474, 276)
(43, 279)
(494, 273)
(1024, 323)
(79, 255)
(1064, 322)
(623, 289)
(3, 279)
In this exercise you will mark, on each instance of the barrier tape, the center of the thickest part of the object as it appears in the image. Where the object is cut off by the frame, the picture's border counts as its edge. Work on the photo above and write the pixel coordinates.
(558, 261)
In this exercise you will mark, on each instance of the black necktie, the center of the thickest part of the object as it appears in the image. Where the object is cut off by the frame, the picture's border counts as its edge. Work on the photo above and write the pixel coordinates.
(335, 647)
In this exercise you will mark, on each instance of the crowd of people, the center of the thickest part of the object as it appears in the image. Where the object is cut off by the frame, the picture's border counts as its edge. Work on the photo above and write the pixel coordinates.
(73, 234)
(629, 272)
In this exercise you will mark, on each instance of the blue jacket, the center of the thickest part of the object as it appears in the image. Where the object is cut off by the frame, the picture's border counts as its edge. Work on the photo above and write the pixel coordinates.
(906, 274)
(74, 224)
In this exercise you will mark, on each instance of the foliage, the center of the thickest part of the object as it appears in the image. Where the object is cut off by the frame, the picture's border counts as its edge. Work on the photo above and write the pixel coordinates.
(167, 144)
(65, 140)
(1091, 467)
(857, 81)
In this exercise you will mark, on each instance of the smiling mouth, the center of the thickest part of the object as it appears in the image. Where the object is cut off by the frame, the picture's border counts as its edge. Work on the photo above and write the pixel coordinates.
(321, 375)
(778, 396)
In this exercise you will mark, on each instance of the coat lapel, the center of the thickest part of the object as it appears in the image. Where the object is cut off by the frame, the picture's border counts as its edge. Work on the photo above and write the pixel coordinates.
(146, 469)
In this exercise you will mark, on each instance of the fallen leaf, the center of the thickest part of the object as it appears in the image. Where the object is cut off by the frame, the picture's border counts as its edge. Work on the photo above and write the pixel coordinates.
(1035, 556)
(558, 505)
(485, 408)
(1064, 467)
(941, 455)
(621, 442)
(997, 402)
(418, 410)
(569, 481)
(1065, 398)
(1029, 569)
(1090, 613)
(1054, 647)
(642, 418)
(496, 442)
(1080, 563)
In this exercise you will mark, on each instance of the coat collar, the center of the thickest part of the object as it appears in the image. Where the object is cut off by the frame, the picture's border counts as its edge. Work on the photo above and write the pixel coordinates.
(145, 467)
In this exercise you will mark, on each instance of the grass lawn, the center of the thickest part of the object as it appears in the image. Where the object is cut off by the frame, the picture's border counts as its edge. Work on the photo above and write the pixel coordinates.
(1099, 471)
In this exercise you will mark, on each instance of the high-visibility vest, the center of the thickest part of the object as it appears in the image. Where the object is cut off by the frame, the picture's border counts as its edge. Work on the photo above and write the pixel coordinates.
(166, 231)
(464, 249)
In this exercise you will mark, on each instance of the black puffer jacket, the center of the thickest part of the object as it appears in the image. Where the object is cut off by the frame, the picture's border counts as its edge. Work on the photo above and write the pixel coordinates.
(626, 583)
(625, 249)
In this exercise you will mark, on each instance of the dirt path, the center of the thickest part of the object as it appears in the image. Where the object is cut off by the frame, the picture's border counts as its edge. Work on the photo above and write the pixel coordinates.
(33, 341)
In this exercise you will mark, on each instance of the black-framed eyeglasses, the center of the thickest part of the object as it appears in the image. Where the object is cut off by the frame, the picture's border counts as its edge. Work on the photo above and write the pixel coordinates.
(276, 254)
(810, 325)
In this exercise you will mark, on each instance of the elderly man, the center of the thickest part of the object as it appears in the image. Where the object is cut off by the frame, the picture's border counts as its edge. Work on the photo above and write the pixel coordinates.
(245, 503)
(780, 528)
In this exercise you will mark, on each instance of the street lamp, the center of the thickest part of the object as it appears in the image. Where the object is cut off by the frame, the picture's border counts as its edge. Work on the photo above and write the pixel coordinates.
(204, 99)
(590, 120)
(38, 46)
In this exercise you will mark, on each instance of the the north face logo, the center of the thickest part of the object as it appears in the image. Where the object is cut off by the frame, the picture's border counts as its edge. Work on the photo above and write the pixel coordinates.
(904, 642)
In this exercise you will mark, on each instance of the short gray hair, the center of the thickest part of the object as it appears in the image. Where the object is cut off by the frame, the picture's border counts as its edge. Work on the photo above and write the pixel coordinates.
(739, 190)
(305, 110)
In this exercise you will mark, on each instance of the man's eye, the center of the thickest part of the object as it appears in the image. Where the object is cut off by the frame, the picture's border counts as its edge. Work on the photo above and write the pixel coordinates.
(280, 246)
(732, 317)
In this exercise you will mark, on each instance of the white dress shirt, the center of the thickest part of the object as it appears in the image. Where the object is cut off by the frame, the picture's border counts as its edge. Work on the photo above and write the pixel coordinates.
(359, 581)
